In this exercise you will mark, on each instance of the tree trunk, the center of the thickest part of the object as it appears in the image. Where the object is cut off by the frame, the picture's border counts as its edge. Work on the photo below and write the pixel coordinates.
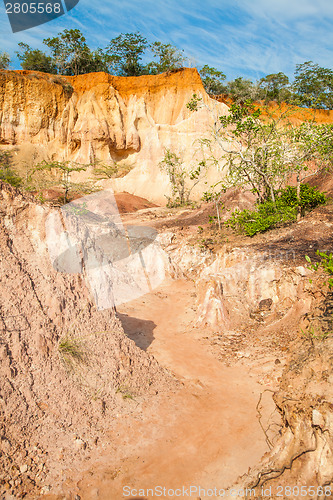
(298, 194)
(218, 216)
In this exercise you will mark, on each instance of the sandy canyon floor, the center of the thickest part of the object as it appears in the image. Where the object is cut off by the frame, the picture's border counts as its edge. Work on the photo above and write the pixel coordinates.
(205, 434)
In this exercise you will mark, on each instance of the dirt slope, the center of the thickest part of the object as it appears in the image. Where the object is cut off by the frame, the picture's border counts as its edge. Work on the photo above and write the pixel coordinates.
(294, 114)
(128, 203)
(57, 403)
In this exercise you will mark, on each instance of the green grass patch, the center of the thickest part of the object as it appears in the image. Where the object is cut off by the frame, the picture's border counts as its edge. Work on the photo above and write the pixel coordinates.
(72, 352)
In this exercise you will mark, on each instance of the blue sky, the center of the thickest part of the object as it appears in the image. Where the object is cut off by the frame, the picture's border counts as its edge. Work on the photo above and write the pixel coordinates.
(249, 38)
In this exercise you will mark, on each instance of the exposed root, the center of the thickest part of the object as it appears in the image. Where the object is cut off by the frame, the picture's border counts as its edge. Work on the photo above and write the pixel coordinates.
(268, 441)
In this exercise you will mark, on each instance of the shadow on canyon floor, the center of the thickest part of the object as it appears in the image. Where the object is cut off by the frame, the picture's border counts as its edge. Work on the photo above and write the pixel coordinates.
(138, 330)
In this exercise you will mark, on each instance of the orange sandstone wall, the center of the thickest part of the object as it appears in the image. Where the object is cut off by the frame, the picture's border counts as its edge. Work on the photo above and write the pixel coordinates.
(106, 118)
(296, 115)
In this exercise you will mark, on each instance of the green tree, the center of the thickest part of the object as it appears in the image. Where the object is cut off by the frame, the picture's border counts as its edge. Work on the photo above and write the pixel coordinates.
(35, 59)
(314, 146)
(252, 150)
(96, 61)
(110, 170)
(262, 154)
(65, 169)
(256, 152)
(212, 80)
(242, 90)
(72, 56)
(124, 54)
(181, 179)
(275, 87)
(4, 60)
(259, 154)
(168, 58)
(313, 86)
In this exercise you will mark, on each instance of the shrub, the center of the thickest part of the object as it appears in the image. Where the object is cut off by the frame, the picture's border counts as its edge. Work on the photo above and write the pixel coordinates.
(7, 174)
(268, 215)
(264, 217)
(66, 85)
(310, 197)
(325, 263)
(181, 179)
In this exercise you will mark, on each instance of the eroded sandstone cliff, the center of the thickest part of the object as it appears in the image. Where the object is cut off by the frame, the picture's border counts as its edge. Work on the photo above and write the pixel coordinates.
(106, 118)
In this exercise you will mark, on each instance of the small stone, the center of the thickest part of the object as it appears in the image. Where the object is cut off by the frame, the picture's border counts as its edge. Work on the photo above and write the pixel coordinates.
(80, 444)
(23, 468)
(5, 445)
(302, 271)
(317, 418)
(265, 304)
(45, 489)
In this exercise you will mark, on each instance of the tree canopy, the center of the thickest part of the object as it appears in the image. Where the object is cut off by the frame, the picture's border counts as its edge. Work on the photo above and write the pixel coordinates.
(4, 60)
(131, 54)
(313, 85)
(212, 80)
(35, 59)
(71, 54)
(124, 54)
(168, 58)
(242, 90)
(275, 87)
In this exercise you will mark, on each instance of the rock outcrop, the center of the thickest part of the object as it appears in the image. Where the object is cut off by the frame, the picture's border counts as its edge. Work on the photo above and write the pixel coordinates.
(262, 281)
(301, 458)
(242, 286)
(100, 117)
